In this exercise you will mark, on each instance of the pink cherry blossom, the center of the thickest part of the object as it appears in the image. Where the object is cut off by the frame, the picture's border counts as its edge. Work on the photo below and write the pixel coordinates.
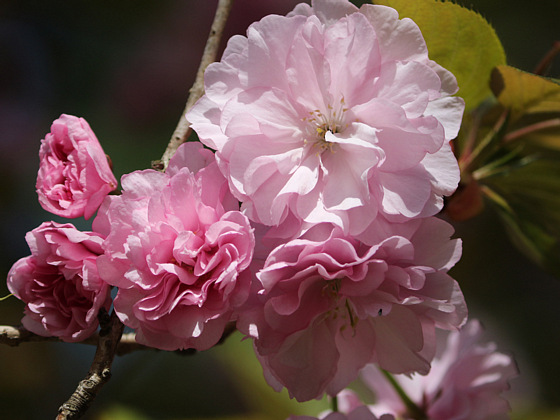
(466, 381)
(177, 248)
(59, 282)
(349, 408)
(332, 114)
(360, 413)
(329, 304)
(74, 174)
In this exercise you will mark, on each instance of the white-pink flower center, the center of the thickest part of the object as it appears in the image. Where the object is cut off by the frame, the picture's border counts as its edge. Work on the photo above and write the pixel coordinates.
(319, 123)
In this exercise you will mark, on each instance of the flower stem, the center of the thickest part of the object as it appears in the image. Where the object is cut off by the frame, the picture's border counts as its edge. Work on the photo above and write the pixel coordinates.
(413, 410)
(334, 402)
(547, 59)
(466, 160)
(542, 125)
(183, 129)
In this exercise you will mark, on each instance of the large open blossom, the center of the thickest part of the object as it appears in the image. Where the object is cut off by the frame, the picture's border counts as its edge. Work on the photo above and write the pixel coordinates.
(177, 248)
(328, 305)
(59, 282)
(74, 175)
(466, 381)
(332, 114)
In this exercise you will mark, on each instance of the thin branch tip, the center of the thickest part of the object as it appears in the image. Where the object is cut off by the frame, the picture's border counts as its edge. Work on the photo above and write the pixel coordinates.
(183, 130)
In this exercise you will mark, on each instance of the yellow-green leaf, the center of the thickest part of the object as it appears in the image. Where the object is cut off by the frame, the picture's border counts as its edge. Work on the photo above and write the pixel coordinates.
(458, 39)
(524, 92)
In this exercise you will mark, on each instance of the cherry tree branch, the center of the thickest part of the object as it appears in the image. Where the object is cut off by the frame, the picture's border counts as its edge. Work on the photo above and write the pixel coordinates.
(99, 372)
(13, 336)
(183, 130)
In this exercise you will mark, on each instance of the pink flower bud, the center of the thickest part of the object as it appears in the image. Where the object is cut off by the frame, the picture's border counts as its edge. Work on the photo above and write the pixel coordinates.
(74, 174)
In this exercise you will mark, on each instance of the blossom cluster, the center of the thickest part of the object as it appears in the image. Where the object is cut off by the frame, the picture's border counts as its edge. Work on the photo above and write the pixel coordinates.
(465, 382)
(310, 225)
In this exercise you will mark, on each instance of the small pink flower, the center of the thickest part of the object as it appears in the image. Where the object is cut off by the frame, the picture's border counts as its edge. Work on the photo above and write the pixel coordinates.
(466, 381)
(74, 174)
(350, 408)
(177, 248)
(59, 282)
(332, 114)
(360, 413)
(329, 304)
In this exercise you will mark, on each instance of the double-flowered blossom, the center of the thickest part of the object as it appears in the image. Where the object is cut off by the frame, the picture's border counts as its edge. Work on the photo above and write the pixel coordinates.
(466, 381)
(177, 249)
(332, 114)
(59, 282)
(361, 412)
(329, 304)
(74, 173)
(350, 407)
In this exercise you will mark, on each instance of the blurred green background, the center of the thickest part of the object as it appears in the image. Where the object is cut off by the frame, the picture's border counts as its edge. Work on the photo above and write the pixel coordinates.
(126, 66)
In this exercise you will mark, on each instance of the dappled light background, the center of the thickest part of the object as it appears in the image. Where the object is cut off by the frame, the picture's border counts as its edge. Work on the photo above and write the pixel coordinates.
(126, 67)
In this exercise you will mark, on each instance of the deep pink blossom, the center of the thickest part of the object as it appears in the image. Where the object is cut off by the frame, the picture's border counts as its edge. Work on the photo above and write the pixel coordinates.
(328, 305)
(177, 248)
(74, 174)
(59, 282)
(332, 114)
(466, 381)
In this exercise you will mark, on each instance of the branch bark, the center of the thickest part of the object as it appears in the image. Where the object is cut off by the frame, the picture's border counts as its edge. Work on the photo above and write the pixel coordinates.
(183, 130)
(14, 336)
(99, 372)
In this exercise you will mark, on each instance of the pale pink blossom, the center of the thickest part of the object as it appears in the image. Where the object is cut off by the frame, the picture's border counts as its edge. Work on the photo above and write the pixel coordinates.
(350, 407)
(74, 175)
(329, 304)
(360, 413)
(177, 248)
(466, 381)
(59, 282)
(332, 114)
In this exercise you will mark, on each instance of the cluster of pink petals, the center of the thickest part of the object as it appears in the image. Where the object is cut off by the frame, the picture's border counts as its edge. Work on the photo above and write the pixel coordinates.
(59, 282)
(466, 381)
(176, 248)
(359, 412)
(329, 304)
(332, 114)
(74, 174)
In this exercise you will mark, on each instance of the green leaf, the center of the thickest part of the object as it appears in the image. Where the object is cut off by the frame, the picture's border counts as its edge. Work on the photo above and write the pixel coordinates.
(527, 198)
(458, 39)
(524, 92)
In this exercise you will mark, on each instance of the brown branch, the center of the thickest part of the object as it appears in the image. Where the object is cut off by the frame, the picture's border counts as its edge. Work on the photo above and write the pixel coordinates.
(14, 336)
(110, 342)
(99, 372)
(183, 130)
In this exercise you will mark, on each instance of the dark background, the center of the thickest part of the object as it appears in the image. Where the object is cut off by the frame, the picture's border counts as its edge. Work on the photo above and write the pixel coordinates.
(126, 66)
